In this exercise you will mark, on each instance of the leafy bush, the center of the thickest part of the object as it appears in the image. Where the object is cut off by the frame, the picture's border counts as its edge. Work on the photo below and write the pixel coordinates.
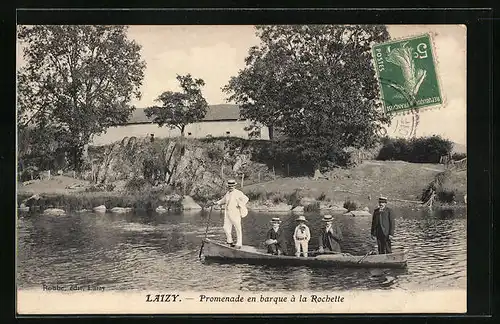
(416, 150)
(277, 197)
(256, 195)
(458, 156)
(350, 205)
(94, 188)
(136, 184)
(215, 152)
(312, 207)
(322, 197)
(29, 173)
(446, 196)
(295, 197)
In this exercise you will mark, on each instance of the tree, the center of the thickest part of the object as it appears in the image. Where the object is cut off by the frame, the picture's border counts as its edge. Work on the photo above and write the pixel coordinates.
(313, 81)
(180, 108)
(77, 81)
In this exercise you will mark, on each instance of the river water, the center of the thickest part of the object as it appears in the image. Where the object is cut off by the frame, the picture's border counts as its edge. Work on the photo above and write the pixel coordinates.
(152, 251)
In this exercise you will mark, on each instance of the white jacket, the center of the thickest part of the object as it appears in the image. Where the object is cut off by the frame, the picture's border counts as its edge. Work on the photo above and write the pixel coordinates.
(235, 202)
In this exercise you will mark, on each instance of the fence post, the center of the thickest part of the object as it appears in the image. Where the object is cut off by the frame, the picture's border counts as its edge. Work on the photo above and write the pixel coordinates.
(274, 173)
(222, 171)
(49, 174)
(288, 169)
(258, 176)
(242, 179)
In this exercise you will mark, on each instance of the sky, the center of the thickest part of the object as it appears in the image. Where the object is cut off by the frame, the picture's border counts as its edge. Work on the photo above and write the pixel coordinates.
(217, 52)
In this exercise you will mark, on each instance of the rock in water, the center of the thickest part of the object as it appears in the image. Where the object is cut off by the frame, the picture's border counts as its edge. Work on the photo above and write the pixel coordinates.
(54, 211)
(119, 210)
(188, 203)
(161, 210)
(100, 209)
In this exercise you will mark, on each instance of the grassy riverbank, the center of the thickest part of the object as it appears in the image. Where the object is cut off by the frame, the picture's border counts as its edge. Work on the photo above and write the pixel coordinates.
(402, 182)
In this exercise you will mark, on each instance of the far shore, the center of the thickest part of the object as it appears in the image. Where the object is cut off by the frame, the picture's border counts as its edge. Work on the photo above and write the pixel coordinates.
(55, 194)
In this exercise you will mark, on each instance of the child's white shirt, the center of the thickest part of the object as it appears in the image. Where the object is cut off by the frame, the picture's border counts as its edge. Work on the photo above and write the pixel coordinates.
(302, 234)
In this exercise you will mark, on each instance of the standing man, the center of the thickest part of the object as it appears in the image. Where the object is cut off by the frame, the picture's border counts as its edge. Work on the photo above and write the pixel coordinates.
(234, 211)
(383, 225)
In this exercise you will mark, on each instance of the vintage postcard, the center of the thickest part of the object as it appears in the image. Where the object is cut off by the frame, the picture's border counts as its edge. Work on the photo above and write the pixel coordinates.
(241, 169)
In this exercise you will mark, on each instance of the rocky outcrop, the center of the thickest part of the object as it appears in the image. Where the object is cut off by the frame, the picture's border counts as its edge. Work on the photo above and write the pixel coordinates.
(192, 167)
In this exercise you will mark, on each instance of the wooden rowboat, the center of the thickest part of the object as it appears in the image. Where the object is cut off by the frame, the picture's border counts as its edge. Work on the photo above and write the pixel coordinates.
(247, 254)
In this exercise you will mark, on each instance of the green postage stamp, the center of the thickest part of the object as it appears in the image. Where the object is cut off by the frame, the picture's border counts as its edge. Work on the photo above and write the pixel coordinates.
(406, 72)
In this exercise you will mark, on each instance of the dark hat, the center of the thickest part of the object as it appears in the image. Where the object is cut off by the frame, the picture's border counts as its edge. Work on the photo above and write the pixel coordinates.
(382, 199)
(276, 220)
(327, 218)
(231, 183)
(301, 218)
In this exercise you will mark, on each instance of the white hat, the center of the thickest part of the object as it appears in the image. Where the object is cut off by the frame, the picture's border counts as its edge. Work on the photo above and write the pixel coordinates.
(327, 218)
(276, 220)
(231, 183)
(301, 218)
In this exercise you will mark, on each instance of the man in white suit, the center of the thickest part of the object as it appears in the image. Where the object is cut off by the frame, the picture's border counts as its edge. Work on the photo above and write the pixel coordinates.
(235, 209)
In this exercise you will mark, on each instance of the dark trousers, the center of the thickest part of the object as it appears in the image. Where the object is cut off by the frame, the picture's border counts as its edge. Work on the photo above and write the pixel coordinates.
(272, 248)
(384, 244)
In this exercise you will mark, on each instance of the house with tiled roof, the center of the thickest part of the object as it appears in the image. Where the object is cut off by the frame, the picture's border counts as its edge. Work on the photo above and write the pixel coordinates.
(222, 120)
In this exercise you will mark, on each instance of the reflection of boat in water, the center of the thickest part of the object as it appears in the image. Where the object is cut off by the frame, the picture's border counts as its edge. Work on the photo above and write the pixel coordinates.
(247, 254)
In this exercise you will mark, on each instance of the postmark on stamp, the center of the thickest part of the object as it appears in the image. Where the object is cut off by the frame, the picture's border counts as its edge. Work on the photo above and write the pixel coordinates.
(404, 126)
(406, 72)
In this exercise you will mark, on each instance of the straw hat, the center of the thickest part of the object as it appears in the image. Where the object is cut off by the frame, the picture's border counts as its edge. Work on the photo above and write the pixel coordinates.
(327, 218)
(301, 218)
(231, 183)
(275, 220)
(382, 199)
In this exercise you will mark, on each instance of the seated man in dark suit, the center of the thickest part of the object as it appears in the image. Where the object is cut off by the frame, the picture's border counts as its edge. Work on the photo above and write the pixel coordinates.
(330, 237)
(275, 240)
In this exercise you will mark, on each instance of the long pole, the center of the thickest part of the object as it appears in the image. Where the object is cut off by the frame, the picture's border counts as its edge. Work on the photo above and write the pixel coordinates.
(206, 231)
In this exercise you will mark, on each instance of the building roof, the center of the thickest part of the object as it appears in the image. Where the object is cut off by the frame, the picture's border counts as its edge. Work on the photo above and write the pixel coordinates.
(214, 113)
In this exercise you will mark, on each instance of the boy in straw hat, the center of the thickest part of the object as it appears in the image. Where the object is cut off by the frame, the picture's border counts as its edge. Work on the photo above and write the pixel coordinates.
(383, 225)
(301, 236)
(275, 238)
(235, 209)
(330, 237)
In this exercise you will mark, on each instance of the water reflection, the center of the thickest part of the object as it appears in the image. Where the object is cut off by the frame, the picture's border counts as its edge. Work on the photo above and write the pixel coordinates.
(151, 250)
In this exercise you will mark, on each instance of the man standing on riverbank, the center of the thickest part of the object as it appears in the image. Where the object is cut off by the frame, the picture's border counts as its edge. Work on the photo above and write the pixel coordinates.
(383, 225)
(235, 209)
